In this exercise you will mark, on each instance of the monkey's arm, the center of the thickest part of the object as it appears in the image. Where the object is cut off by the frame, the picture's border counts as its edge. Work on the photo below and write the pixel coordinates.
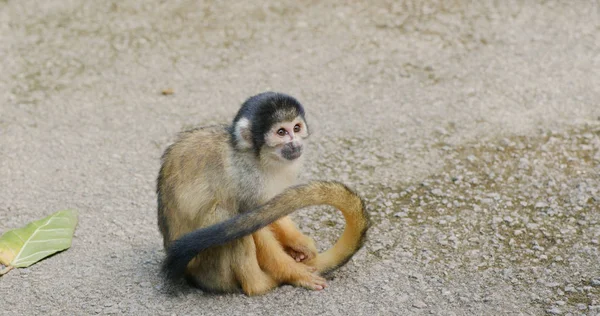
(298, 245)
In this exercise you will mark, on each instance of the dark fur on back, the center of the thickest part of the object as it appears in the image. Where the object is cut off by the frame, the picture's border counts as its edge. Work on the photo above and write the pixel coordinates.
(263, 110)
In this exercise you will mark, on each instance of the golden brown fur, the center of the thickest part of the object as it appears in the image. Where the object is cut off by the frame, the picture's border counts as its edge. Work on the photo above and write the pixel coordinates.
(222, 211)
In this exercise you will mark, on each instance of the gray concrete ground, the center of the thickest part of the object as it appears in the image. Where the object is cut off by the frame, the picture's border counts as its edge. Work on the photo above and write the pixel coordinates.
(470, 127)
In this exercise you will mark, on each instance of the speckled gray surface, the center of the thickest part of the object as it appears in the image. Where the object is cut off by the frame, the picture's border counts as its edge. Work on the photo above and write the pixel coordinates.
(471, 129)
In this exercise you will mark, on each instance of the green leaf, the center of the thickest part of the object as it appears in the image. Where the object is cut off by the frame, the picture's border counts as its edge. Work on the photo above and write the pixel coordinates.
(25, 246)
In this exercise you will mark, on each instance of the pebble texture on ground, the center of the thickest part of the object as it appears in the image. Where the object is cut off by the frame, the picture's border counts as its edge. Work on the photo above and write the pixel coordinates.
(472, 130)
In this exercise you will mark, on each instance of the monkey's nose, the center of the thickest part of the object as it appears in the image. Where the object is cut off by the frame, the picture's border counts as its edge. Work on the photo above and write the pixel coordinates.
(296, 147)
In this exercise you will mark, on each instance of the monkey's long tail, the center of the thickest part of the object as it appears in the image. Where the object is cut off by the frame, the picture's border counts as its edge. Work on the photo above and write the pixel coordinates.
(336, 194)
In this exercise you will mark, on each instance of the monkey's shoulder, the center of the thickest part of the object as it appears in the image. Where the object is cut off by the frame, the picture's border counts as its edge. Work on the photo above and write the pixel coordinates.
(205, 133)
(206, 144)
(211, 137)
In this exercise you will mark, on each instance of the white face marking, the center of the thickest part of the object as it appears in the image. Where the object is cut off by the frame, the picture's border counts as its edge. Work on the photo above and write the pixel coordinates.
(242, 132)
(285, 132)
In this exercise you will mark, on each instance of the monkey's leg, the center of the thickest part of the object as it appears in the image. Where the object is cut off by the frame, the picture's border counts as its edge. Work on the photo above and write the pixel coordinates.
(298, 245)
(273, 259)
(252, 278)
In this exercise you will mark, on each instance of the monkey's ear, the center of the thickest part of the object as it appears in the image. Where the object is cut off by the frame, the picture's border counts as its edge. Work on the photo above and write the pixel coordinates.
(242, 133)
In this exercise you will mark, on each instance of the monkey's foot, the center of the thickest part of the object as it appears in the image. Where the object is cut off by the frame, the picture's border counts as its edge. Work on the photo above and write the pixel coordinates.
(297, 255)
(311, 281)
(302, 250)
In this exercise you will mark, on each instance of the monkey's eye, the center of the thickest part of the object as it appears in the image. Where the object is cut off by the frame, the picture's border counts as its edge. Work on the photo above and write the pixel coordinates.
(297, 128)
(281, 132)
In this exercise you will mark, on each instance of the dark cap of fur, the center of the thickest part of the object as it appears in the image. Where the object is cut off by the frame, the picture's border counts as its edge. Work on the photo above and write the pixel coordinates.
(264, 110)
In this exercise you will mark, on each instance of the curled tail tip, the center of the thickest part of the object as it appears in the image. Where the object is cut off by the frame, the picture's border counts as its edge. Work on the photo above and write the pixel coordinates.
(169, 270)
(174, 264)
(172, 278)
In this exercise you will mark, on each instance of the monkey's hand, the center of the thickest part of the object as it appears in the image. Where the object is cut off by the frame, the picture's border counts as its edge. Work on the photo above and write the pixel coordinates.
(302, 248)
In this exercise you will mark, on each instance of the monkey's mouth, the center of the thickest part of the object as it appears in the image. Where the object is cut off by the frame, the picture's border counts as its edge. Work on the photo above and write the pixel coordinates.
(291, 152)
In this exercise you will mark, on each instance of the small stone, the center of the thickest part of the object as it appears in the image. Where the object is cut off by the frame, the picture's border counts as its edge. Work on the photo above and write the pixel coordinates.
(523, 163)
(419, 304)
(487, 201)
(581, 306)
(560, 303)
(540, 205)
(554, 311)
(401, 299)
(415, 276)
(377, 247)
(437, 192)
(471, 158)
(441, 130)
(400, 214)
(518, 232)
(595, 282)
(532, 225)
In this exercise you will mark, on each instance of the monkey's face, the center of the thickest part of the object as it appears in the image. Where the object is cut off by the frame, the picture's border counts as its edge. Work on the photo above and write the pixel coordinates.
(272, 126)
(285, 139)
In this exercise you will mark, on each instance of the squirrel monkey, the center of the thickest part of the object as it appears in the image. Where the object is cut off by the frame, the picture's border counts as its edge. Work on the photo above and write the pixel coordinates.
(224, 193)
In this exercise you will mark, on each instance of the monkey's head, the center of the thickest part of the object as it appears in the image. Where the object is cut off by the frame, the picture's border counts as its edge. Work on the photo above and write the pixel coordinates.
(272, 125)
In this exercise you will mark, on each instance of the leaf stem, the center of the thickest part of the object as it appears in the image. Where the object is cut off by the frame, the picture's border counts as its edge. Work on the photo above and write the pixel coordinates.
(5, 270)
